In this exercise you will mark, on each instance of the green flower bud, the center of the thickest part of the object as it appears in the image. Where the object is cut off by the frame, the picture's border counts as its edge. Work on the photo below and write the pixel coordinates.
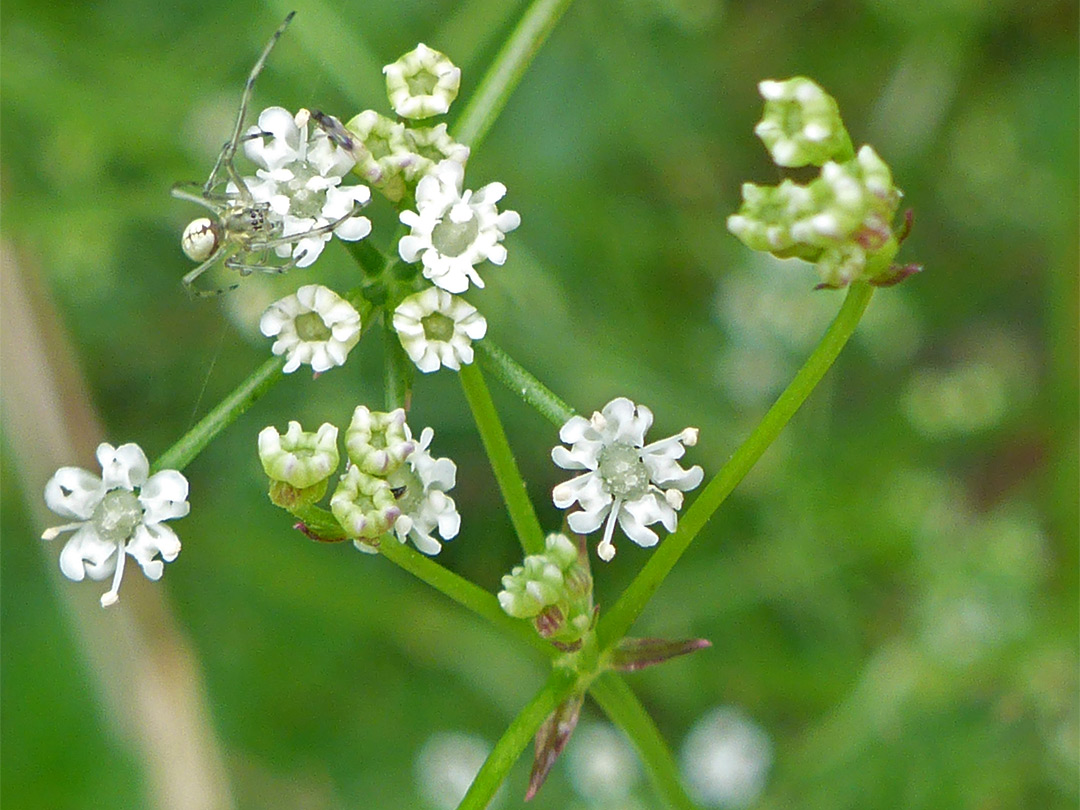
(364, 505)
(298, 463)
(377, 442)
(768, 213)
(422, 83)
(841, 221)
(387, 153)
(429, 145)
(560, 551)
(801, 124)
(554, 589)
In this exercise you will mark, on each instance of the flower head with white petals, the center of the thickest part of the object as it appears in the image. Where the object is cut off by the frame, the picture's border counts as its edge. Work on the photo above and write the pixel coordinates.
(118, 514)
(420, 485)
(437, 329)
(315, 327)
(300, 178)
(626, 480)
(453, 231)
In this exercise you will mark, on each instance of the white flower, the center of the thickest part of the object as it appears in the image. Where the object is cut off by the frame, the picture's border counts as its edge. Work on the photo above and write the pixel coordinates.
(726, 758)
(300, 178)
(316, 327)
(452, 232)
(422, 83)
(421, 485)
(446, 766)
(116, 515)
(436, 328)
(627, 480)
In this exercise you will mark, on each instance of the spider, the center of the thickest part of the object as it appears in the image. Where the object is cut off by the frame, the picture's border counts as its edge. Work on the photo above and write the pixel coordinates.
(242, 232)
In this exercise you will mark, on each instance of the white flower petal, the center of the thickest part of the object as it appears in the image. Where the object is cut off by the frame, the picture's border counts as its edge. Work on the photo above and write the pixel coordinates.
(148, 543)
(73, 492)
(588, 522)
(124, 466)
(85, 553)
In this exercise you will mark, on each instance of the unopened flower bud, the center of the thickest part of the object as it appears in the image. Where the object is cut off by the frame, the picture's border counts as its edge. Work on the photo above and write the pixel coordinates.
(554, 589)
(387, 153)
(298, 463)
(377, 442)
(801, 124)
(364, 505)
(843, 220)
(429, 146)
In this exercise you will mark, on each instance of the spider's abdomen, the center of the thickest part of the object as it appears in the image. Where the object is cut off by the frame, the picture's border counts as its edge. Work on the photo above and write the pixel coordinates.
(201, 238)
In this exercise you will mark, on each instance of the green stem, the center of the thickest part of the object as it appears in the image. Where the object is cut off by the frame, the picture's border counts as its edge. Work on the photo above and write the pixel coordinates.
(462, 591)
(623, 613)
(513, 741)
(522, 383)
(621, 705)
(398, 369)
(511, 484)
(224, 414)
(265, 377)
(507, 69)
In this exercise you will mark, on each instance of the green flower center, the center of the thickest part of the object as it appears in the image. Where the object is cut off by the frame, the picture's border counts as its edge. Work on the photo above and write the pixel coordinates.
(305, 203)
(438, 327)
(422, 84)
(454, 238)
(117, 516)
(311, 327)
(624, 473)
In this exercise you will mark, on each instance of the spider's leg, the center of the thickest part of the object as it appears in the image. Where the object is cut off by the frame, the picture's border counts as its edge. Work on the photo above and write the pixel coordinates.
(296, 237)
(247, 269)
(196, 293)
(201, 197)
(225, 159)
(189, 280)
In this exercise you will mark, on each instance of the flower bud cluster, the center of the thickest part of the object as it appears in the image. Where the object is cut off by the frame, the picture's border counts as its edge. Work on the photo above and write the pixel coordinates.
(391, 482)
(554, 589)
(393, 155)
(842, 220)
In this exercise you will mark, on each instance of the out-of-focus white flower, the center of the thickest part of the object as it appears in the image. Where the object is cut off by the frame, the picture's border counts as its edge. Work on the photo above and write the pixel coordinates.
(725, 759)
(422, 83)
(446, 766)
(420, 486)
(118, 514)
(602, 766)
(635, 483)
(453, 231)
(300, 178)
(437, 329)
(315, 327)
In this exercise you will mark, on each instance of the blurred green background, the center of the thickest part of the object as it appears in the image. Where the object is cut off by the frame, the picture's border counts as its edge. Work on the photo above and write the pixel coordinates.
(891, 594)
